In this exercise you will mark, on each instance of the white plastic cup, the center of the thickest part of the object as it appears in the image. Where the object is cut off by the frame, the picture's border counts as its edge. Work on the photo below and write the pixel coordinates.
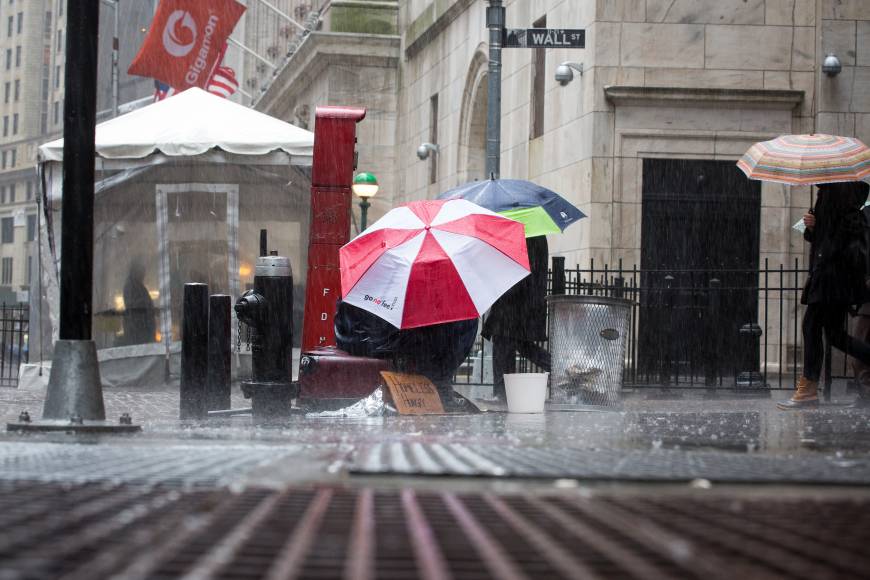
(526, 392)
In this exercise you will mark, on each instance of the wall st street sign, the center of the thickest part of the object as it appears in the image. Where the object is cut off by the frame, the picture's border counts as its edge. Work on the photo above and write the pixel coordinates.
(544, 38)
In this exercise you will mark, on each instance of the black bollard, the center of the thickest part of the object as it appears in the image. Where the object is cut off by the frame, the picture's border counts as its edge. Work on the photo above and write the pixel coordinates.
(713, 334)
(263, 243)
(557, 285)
(219, 353)
(194, 352)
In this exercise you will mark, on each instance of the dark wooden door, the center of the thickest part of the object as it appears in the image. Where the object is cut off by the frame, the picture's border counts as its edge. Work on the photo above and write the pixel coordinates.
(699, 257)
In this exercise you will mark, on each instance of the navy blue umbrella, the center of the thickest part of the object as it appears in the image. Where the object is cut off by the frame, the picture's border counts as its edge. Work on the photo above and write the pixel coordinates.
(539, 209)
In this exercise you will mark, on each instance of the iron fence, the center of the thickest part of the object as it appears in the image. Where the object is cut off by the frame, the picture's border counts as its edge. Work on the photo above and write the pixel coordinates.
(14, 331)
(734, 329)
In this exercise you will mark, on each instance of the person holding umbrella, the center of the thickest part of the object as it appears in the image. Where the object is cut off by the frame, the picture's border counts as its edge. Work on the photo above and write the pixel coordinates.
(836, 231)
(415, 283)
(837, 280)
(518, 319)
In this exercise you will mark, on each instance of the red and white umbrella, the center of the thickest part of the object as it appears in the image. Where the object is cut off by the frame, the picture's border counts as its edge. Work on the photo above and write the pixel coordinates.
(429, 262)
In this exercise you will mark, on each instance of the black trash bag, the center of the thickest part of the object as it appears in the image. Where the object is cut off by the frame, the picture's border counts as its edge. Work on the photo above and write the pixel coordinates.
(435, 351)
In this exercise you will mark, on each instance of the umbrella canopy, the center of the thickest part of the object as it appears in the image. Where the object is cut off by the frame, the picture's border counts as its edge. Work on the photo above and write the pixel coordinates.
(807, 160)
(430, 262)
(541, 210)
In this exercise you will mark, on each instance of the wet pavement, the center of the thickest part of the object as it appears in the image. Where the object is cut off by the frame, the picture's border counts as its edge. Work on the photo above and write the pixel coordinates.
(685, 488)
(693, 431)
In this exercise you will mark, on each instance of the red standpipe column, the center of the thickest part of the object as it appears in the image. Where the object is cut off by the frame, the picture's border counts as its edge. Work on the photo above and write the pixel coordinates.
(331, 198)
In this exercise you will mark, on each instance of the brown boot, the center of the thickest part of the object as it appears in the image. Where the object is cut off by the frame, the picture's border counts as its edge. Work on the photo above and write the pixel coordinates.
(804, 397)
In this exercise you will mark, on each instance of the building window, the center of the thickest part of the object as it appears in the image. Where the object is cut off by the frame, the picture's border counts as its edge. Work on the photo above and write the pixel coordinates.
(6, 277)
(11, 24)
(17, 56)
(3, 160)
(60, 4)
(20, 21)
(7, 230)
(433, 138)
(17, 89)
(12, 157)
(15, 123)
(56, 106)
(8, 58)
(539, 76)
(12, 193)
(57, 77)
(2, 194)
(31, 227)
(5, 125)
(29, 270)
(47, 29)
(59, 40)
(7, 92)
(29, 190)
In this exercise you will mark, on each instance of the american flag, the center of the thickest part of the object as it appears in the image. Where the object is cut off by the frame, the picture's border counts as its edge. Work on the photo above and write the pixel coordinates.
(162, 91)
(223, 83)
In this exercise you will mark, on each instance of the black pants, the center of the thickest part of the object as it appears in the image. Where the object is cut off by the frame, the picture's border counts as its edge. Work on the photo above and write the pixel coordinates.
(504, 359)
(830, 319)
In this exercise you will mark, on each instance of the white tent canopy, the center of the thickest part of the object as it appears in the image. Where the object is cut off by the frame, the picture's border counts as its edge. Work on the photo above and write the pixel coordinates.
(192, 123)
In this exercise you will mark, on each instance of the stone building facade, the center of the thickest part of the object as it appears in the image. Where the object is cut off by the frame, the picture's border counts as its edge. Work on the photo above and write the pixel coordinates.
(690, 79)
(672, 93)
(669, 88)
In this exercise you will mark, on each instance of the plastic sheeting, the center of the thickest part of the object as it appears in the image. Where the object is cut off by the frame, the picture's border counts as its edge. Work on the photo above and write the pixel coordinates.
(160, 226)
(434, 351)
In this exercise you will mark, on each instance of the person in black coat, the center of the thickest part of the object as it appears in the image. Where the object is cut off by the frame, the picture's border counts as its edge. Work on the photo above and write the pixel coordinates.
(519, 318)
(835, 229)
(138, 317)
(862, 332)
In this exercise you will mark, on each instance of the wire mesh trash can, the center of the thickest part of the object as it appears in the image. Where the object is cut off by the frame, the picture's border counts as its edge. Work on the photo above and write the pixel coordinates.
(587, 337)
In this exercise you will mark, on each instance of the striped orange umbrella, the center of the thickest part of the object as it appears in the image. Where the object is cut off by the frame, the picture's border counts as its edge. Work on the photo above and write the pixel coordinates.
(807, 160)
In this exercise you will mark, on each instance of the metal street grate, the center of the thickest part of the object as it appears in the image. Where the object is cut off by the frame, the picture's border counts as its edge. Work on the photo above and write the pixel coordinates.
(88, 531)
(658, 465)
(175, 464)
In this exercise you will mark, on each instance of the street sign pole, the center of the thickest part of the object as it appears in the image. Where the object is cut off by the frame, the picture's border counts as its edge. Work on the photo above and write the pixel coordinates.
(499, 38)
(74, 397)
(495, 20)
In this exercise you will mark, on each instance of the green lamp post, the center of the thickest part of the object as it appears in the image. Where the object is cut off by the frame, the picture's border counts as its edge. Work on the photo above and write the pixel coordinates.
(365, 185)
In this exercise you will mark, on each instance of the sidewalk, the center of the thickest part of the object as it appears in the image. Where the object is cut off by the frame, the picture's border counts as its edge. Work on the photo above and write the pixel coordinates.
(660, 489)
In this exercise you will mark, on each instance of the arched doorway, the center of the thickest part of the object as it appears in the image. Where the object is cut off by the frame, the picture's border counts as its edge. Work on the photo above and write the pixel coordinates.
(472, 122)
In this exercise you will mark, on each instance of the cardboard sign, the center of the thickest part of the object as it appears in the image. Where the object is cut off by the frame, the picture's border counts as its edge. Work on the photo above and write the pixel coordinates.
(413, 394)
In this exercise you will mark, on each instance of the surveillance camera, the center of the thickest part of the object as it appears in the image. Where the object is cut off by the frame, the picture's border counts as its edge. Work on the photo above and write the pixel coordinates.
(831, 65)
(564, 74)
(565, 71)
(425, 149)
